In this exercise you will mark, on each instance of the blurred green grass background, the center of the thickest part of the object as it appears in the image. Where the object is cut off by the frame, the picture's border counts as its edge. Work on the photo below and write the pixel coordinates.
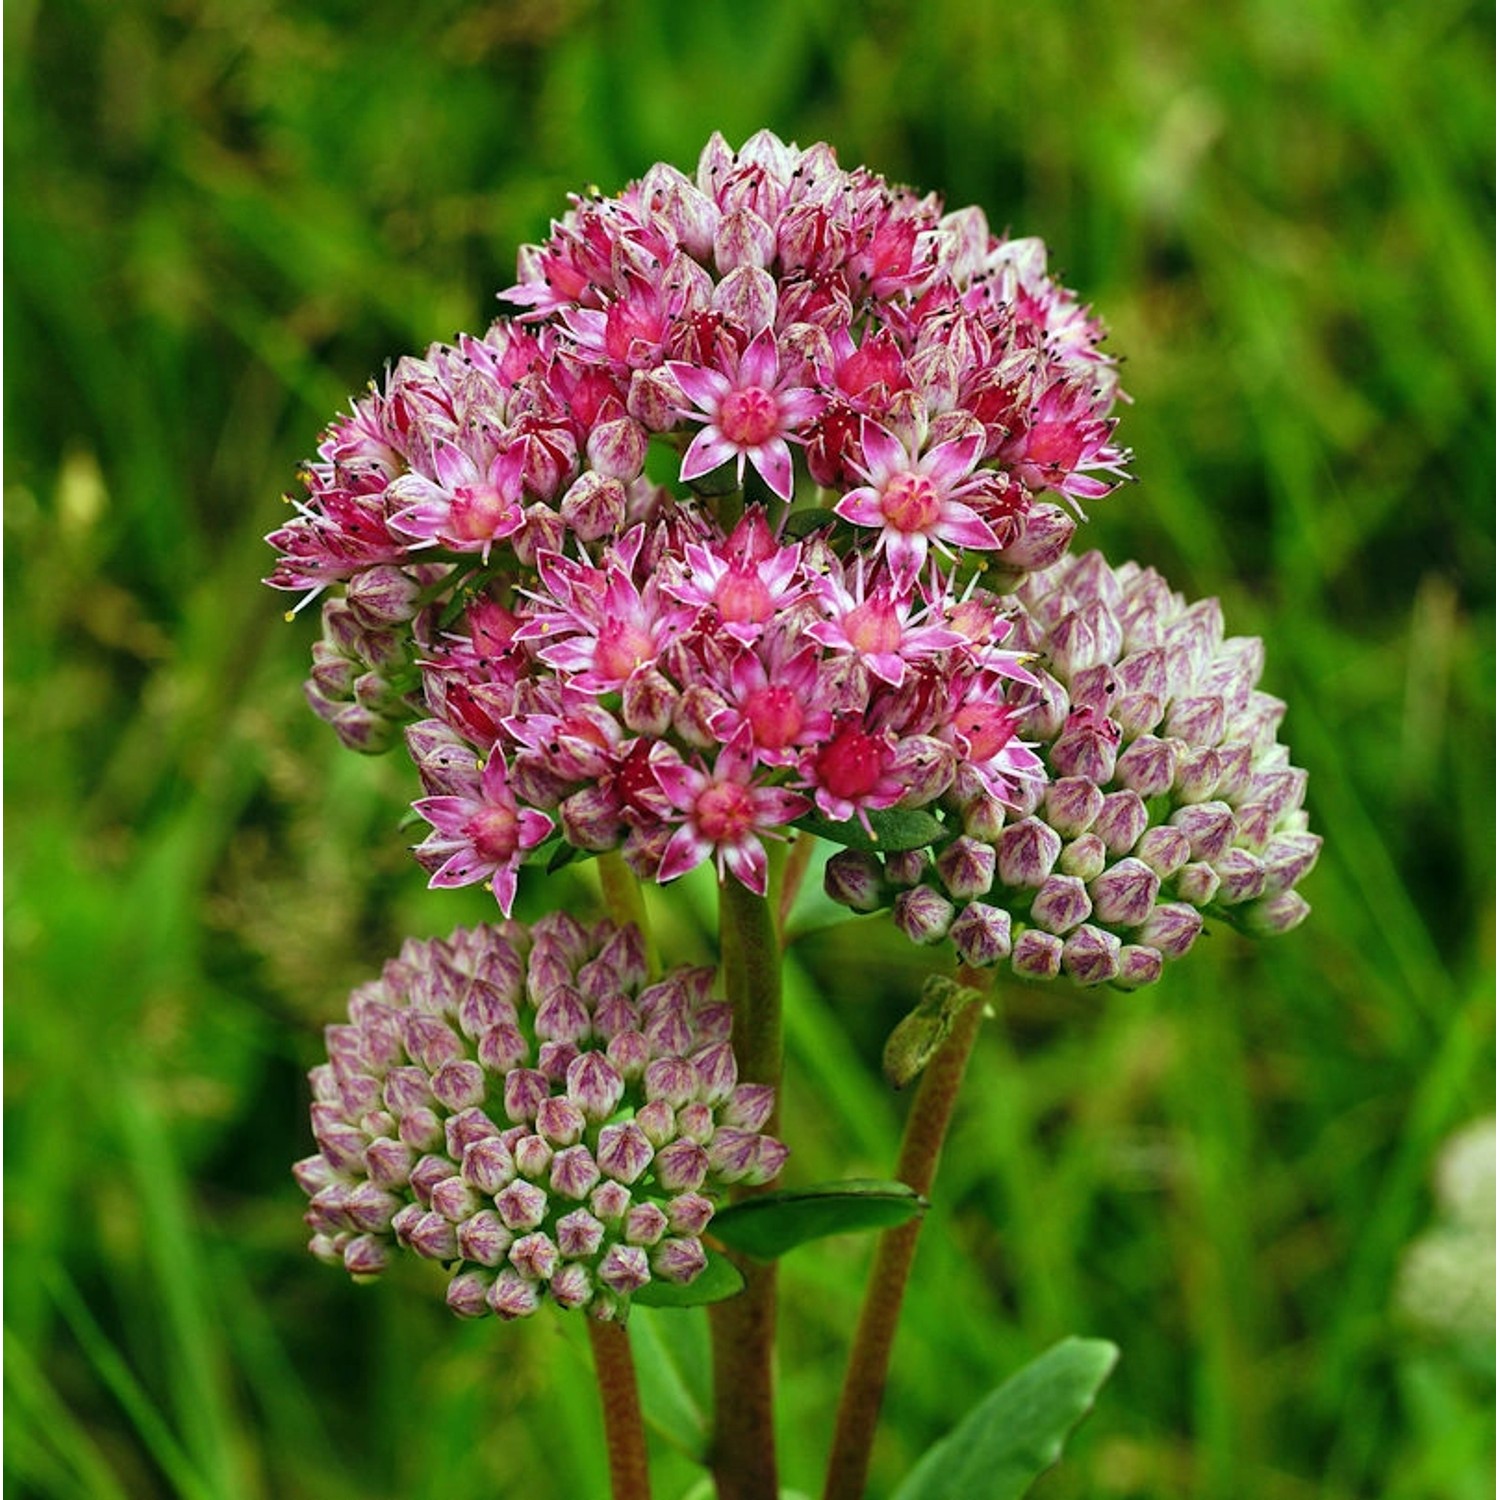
(224, 215)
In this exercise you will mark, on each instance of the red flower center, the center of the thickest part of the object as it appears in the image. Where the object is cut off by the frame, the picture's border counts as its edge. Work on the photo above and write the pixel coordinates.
(743, 596)
(724, 812)
(749, 417)
(620, 649)
(872, 627)
(492, 831)
(986, 728)
(775, 716)
(851, 764)
(478, 513)
(910, 503)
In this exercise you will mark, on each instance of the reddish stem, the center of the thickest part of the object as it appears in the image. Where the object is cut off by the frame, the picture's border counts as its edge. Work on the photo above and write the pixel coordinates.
(624, 1431)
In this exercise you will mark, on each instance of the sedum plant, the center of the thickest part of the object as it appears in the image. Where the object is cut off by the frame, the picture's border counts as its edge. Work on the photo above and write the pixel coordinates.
(744, 539)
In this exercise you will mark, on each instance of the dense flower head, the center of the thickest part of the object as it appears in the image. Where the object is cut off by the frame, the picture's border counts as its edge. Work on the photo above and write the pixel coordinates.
(526, 1108)
(1168, 796)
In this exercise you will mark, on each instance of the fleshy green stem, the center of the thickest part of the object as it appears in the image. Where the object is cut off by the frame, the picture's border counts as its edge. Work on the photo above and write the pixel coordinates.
(624, 1431)
(870, 1355)
(625, 902)
(797, 861)
(743, 1328)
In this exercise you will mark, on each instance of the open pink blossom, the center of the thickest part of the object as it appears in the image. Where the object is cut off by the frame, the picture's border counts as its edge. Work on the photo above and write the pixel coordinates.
(481, 835)
(748, 412)
(468, 507)
(725, 815)
(882, 631)
(747, 582)
(914, 501)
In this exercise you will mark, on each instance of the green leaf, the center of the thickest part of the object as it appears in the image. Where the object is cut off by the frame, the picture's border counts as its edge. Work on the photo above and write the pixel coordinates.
(803, 523)
(910, 1046)
(895, 829)
(719, 1279)
(1017, 1432)
(663, 1367)
(770, 1225)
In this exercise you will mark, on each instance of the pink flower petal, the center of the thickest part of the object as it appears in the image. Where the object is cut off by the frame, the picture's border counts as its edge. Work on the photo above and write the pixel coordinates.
(704, 388)
(747, 863)
(685, 851)
(759, 363)
(885, 453)
(706, 453)
(773, 462)
(861, 506)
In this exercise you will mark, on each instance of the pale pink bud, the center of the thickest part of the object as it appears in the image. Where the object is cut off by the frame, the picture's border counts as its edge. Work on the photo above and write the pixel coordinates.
(658, 1121)
(521, 1205)
(1036, 955)
(1061, 904)
(923, 915)
(483, 1238)
(1171, 929)
(1164, 848)
(1091, 956)
(1026, 853)
(594, 506)
(1072, 804)
(653, 399)
(624, 1151)
(984, 817)
(513, 1296)
(981, 934)
(681, 1166)
(388, 1162)
(433, 1236)
(689, 1213)
(572, 1286)
(533, 1156)
(454, 1199)
(743, 238)
(579, 1234)
(1084, 857)
(1138, 966)
(1044, 539)
(610, 1201)
(1121, 821)
(1149, 766)
(645, 1224)
(648, 702)
(696, 1122)
(1242, 877)
(574, 1173)
(468, 1294)
(525, 1089)
(679, 1260)
(1125, 893)
(624, 1269)
(966, 868)
(617, 450)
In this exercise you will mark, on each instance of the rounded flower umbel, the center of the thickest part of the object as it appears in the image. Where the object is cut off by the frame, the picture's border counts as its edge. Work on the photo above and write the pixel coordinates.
(524, 1107)
(1167, 797)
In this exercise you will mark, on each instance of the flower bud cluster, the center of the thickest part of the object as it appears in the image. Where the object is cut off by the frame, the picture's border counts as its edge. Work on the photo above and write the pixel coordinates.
(1169, 797)
(856, 399)
(523, 1106)
(365, 682)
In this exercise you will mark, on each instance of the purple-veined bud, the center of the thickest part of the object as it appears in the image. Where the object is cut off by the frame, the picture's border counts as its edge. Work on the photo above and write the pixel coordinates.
(388, 1161)
(670, 1034)
(512, 1296)
(1027, 852)
(624, 1269)
(1087, 747)
(769, 1157)
(1046, 712)
(1171, 929)
(1242, 877)
(1209, 827)
(460, 1131)
(428, 1172)
(657, 1121)
(594, 506)
(382, 596)
(571, 1286)
(483, 1238)
(681, 1166)
(594, 1086)
(455, 1199)
(966, 868)
(1121, 821)
(981, 934)
(420, 1129)
(695, 1121)
(574, 1173)
(624, 1151)
(648, 702)
(459, 1084)
(671, 1079)
(534, 1256)
(1288, 857)
(1036, 955)
(1091, 956)
(1136, 714)
(525, 1088)
(1061, 904)
(1044, 539)
(679, 1260)
(559, 1121)
(923, 915)
(1164, 848)
(521, 1205)
(905, 867)
(563, 1016)
(433, 1237)
(1148, 767)
(468, 1294)
(429, 1041)
(1198, 720)
(749, 1107)
(482, 1008)
(1084, 857)
(370, 1209)
(313, 1174)
(1071, 805)
(326, 1209)
(1253, 825)
(984, 817)
(580, 1234)
(653, 399)
(630, 1053)
(610, 1201)
(1124, 894)
(645, 1224)
(1139, 966)
(689, 1214)
(617, 450)
(717, 1072)
(488, 1165)
(1197, 883)
(405, 1220)
(1199, 771)
(503, 1048)
(533, 1156)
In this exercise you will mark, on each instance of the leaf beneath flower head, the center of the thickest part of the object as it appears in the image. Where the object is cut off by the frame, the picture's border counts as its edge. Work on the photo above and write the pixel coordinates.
(1017, 1432)
(770, 1224)
(719, 1279)
(896, 829)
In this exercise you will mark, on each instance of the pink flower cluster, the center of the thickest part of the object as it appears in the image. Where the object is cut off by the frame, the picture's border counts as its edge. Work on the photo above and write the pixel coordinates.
(706, 540)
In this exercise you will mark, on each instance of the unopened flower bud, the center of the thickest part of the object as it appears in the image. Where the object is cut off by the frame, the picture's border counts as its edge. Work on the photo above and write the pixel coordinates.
(1061, 904)
(923, 915)
(1036, 955)
(1091, 956)
(981, 934)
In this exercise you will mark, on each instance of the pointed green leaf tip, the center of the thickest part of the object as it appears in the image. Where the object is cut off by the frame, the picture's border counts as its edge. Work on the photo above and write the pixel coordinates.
(773, 1223)
(1017, 1432)
(919, 1034)
(895, 830)
(719, 1279)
